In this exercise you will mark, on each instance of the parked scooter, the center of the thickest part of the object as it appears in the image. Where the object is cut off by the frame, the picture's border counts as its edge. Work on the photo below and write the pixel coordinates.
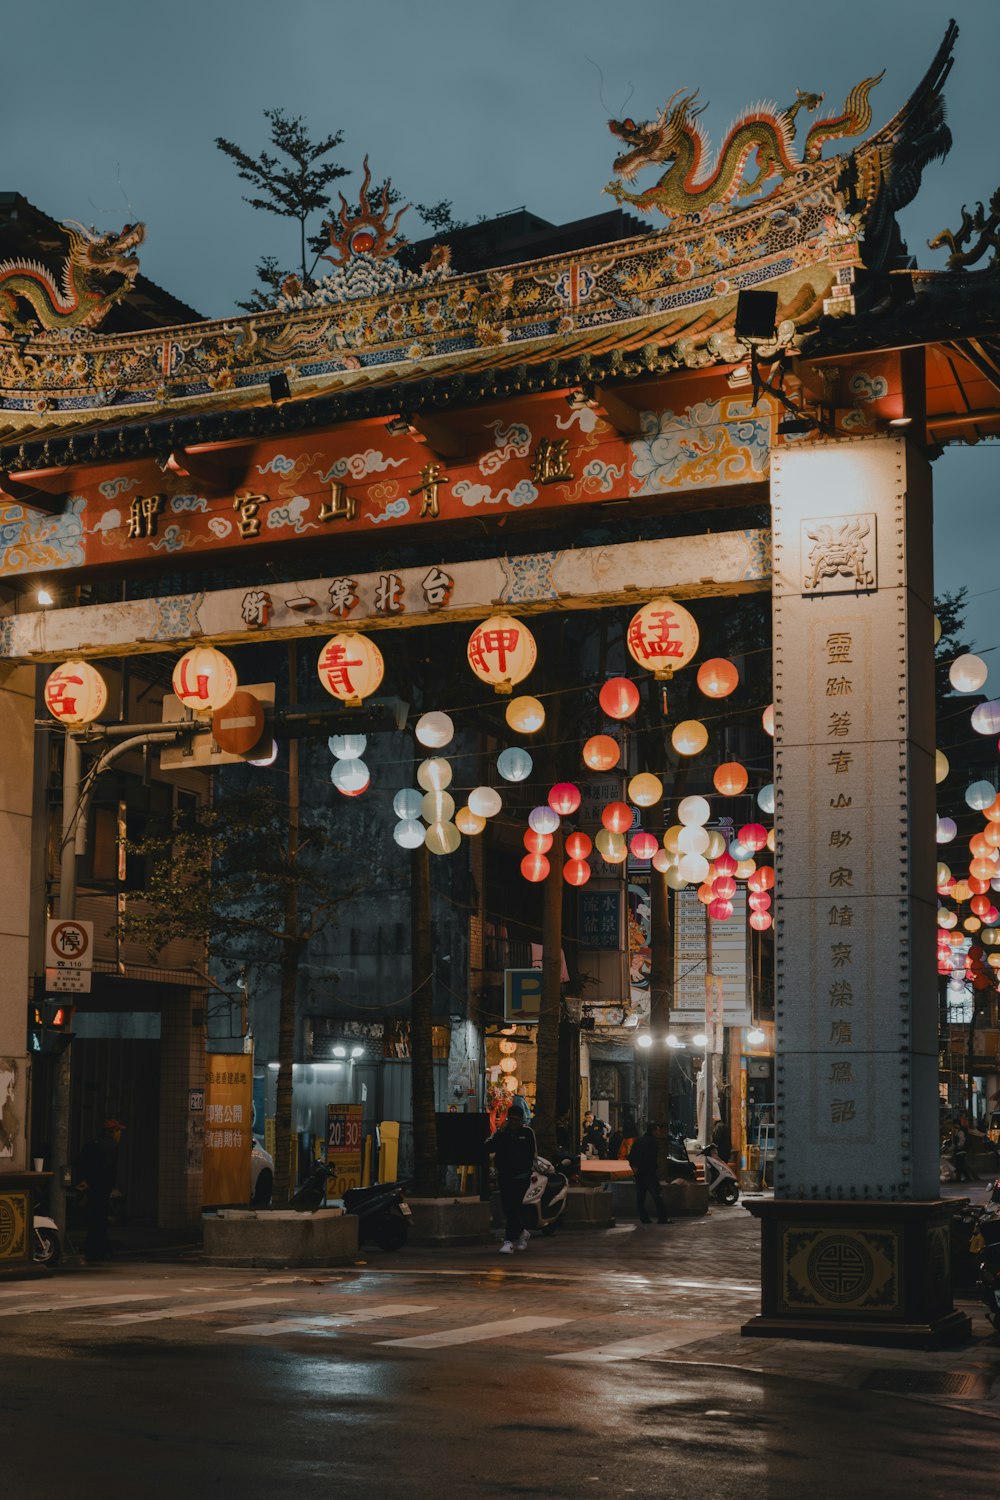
(383, 1214)
(46, 1249)
(678, 1166)
(985, 1246)
(720, 1179)
(545, 1200)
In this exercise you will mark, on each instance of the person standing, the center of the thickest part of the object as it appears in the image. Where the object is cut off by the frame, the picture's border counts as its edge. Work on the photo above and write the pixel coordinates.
(644, 1161)
(959, 1150)
(96, 1173)
(514, 1147)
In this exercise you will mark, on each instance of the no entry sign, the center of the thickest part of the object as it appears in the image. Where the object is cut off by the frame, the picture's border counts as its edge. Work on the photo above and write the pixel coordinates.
(239, 725)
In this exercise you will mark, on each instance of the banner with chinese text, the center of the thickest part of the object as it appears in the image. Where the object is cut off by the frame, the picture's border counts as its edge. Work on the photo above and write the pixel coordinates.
(228, 1136)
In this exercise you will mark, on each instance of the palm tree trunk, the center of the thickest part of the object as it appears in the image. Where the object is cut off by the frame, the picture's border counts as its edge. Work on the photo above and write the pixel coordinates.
(425, 1167)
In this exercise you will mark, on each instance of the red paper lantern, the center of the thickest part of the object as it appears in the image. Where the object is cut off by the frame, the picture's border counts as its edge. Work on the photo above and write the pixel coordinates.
(619, 698)
(579, 845)
(759, 901)
(564, 798)
(976, 887)
(643, 845)
(730, 779)
(725, 865)
(717, 678)
(724, 886)
(617, 817)
(576, 872)
(720, 910)
(760, 921)
(980, 905)
(601, 752)
(752, 836)
(990, 916)
(535, 867)
(537, 843)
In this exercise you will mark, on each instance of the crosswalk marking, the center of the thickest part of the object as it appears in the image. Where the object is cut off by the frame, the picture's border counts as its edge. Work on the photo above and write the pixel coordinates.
(503, 1328)
(646, 1343)
(229, 1305)
(69, 1303)
(323, 1321)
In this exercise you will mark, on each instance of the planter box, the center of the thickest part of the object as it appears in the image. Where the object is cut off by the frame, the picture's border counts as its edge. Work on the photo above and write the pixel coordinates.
(328, 1237)
(686, 1198)
(449, 1221)
(589, 1208)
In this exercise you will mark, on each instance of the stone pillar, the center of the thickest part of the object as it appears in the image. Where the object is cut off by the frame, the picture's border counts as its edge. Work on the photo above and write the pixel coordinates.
(182, 1109)
(855, 1245)
(17, 717)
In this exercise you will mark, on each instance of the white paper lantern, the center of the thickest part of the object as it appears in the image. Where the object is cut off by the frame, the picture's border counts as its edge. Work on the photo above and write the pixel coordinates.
(408, 833)
(765, 799)
(406, 803)
(434, 774)
(350, 667)
(350, 776)
(485, 801)
(986, 718)
(204, 679)
(502, 652)
(442, 838)
(347, 746)
(514, 764)
(75, 693)
(437, 807)
(968, 673)
(693, 839)
(435, 730)
(693, 868)
(693, 810)
(662, 636)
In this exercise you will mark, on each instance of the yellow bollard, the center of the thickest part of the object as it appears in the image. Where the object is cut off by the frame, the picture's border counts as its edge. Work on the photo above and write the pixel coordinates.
(388, 1156)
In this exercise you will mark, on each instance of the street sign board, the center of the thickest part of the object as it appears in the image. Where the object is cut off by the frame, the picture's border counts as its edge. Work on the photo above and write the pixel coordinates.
(64, 981)
(239, 725)
(343, 1148)
(522, 994)
(69, 944)
(203, 749)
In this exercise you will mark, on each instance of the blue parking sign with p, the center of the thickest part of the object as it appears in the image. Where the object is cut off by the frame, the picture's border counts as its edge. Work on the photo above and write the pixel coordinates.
(522, 994)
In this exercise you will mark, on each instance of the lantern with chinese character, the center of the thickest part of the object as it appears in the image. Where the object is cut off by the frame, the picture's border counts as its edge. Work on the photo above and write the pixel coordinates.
(485, 801)
(601, 752)
(578, 846)
(662, 636)
(717, 678)
(535, 867)
(435, 730)
(611, 846)
(468, 823)
(75, 693)
(619, 698)
(968, 673)
(204, 679)
(350, 667)
(514, 764)
(537, 843)
(643, 845)
(525, 715)
(645, 789)
(576, 872)
(502, 652)
(617, 817)
(689, 737)
(564, 798)
(434, 775)
(730, 778)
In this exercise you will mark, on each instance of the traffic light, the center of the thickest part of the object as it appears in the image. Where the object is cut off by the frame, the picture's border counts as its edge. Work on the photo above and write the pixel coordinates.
(50, 1026)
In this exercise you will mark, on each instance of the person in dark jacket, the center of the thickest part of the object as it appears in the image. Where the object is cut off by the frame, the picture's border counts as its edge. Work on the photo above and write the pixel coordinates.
(644, 1161)
(95, 1174)
(514, 1147)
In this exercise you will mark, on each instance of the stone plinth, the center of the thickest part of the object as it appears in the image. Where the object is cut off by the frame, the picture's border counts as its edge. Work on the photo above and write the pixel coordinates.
(858, 1273)
(685, 1198)
(589, 1208)
(448, 1221)
(328, 1237)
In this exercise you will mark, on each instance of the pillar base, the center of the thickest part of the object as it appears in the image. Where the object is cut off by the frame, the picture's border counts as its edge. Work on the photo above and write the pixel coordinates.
(857, 1273)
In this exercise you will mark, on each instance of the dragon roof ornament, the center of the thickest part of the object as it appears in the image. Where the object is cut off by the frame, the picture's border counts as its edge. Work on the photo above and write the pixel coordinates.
(671, 293)
(83, 300)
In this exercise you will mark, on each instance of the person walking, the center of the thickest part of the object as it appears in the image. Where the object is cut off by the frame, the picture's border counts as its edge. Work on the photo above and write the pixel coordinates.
(644, 1161)
(96, 1173)
(513, 1146)
(959, 1150)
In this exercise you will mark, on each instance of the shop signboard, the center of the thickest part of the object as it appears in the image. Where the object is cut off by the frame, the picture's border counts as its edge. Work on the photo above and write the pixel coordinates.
(228, 1140)
(343, 1148)
(729, 959)
(522, 994)
(600, 919)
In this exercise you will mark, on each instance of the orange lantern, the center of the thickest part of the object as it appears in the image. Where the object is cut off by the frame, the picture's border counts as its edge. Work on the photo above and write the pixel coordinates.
(717, 678)
(502, 652)
(537, 843)
(535, 867)
(983, 869)
(762, 879)
(979, 847)
(75, 693)
(601, 752)
(619, 698)
(705, 893)
(662, 637)
(576, 872)
(730, 778)
(689, 737)
(204, 679)
(617, 817)
(578, 845)
(350, 667)
(993, 811)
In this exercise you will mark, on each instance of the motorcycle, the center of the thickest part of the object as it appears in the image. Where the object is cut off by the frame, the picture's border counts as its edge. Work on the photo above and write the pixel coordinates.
(985, 1245)
(720, 1179)
(678, 1166)
(46, 1249)
(544, 1201)
(383, 1214)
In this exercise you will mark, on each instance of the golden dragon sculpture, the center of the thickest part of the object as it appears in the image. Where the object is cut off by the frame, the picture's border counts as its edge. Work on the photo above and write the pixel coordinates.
(83, 300)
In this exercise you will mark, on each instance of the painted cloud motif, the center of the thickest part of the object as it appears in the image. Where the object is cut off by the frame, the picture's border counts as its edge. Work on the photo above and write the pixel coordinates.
(710, 443)
(291, 515)
(372, 461)
(471, 495)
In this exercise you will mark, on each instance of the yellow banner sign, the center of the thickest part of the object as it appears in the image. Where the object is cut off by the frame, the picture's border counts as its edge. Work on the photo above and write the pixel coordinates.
(228, 1136)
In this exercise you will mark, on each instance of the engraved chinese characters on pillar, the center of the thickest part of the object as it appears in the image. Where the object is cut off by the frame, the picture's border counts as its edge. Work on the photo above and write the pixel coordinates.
(839, 554)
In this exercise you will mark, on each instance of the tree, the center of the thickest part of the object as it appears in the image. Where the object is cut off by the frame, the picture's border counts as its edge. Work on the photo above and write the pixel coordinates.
(294, 188)
(250, 878)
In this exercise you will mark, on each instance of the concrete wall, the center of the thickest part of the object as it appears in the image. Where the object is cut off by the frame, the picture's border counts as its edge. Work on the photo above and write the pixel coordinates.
(17, 714)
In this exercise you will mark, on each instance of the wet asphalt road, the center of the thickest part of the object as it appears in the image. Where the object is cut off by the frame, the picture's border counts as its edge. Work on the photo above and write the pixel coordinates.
(595, 1364)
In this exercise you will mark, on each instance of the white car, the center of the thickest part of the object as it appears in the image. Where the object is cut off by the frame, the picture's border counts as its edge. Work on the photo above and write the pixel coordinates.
(261, 1175)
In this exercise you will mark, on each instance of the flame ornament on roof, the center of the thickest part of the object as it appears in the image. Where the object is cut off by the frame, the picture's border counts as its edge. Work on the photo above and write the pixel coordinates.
(363, 250)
